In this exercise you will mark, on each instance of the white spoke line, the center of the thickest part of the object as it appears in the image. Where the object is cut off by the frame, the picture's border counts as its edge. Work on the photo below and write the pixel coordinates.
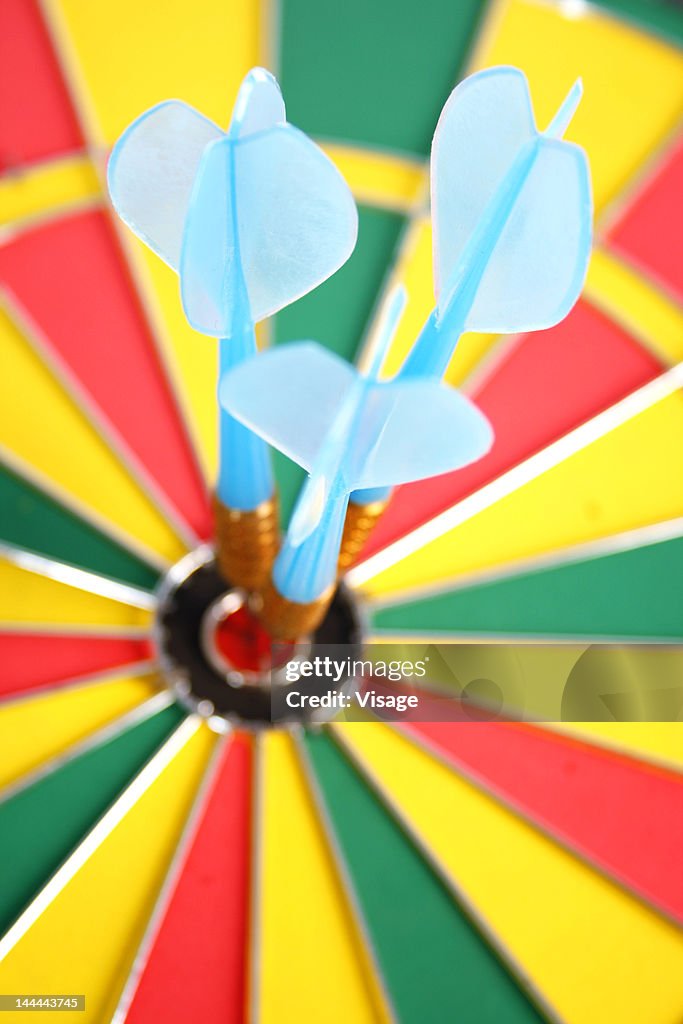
(370, 964)
(110, 731)
(604, 547)
(85, 630)
(80, 579)
(55, 493)
(500, 637)
(86, 404)
(520, 475)
(99, 833)
(147, 667)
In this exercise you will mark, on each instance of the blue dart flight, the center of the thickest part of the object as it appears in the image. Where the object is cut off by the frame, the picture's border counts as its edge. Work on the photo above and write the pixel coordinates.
(511, 215)
(348, 431)
(251, 219)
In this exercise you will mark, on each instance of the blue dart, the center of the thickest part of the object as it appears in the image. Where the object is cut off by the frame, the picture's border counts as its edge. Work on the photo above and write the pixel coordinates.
(348, 431)
(251, 220)
(512, 221)
(512, 216)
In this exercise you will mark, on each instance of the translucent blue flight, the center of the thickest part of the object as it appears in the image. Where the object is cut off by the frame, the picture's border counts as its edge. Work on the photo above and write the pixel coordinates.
(511, 216)
(251, 219)
(348, 431)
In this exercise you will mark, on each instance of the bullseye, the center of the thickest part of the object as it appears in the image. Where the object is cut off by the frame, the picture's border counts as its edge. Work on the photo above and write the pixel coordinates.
(235, 641)
(222, 664)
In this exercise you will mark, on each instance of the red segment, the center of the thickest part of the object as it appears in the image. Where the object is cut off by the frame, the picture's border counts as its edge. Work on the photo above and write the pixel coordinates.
(71, 278)
(197, 965)
(548, 383)
(622, 815)
(30, 661)
(650, 232)
(35, 113)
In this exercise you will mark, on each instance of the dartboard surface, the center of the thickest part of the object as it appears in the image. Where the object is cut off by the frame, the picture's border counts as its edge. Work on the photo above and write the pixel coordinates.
(167, 869)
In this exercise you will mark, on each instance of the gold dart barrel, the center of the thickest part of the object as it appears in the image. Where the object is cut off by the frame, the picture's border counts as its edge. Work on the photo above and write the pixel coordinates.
(359, 523)
(246, 543)
(289, 620)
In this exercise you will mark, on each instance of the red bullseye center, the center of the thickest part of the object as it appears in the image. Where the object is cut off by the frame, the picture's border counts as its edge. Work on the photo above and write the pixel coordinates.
(243, 643)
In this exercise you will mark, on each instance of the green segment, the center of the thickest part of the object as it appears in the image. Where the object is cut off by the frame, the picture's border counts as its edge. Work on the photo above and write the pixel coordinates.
(30, 519)
(42, 824)
(637, 593)
(663, 17)
(376, 73)
(436, 966)
(336, 313)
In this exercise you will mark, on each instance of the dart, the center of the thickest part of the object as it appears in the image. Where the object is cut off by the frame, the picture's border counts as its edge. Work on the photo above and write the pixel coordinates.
(348, 430)
(251, 220)
(512, 216)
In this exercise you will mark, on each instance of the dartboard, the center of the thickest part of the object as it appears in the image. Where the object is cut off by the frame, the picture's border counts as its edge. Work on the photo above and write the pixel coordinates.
(164, 870)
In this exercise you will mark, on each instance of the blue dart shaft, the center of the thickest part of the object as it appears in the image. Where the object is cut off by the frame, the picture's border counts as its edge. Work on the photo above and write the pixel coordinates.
(432, 352)
(304, 573)
(305, 569)
(245, 475)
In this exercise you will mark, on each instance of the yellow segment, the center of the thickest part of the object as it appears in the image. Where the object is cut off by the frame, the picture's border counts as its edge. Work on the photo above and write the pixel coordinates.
(627, 479)
(86, 938)
(596, 954)
(46, 187)
(44, 426)
(28, 597)
(471, 355)
(198, 54)
(661, 742)
(638, 306)
(116, 76)
(36, 728)
(379, 178)
(310, 964)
